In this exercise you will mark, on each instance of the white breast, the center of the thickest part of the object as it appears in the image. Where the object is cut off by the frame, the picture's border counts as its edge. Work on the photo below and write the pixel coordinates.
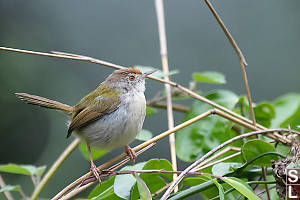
(120, 127)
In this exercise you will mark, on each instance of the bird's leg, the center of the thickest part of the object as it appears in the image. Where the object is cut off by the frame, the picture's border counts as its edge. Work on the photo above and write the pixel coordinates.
(93, 166)
(131, 153)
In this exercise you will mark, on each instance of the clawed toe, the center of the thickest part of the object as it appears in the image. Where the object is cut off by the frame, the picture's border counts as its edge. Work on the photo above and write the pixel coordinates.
(131, 153)
(96, 172)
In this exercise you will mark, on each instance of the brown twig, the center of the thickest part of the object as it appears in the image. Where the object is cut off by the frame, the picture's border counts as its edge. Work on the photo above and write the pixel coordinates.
(159, 6)
(211, 152)
(240, 55)
(149, 142)
(61, 194)
(264, 177)
(177, 107)
(222, 152)
(183, 89)
(161, 190)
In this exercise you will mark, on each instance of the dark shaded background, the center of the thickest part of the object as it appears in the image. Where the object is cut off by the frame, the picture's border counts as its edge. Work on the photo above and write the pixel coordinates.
(125, 32)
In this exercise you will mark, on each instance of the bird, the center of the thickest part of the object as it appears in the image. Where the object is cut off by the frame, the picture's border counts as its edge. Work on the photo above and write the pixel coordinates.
(109, 117)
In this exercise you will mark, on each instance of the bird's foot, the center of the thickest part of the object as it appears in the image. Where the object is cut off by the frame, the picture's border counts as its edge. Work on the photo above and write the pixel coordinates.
(95, 172)
(131, 153)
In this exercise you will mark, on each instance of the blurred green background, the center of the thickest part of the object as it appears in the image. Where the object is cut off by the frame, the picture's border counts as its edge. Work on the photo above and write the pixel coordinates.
(125, 32)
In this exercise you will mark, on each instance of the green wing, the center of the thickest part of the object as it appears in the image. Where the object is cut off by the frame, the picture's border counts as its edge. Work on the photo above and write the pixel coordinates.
(104, 100)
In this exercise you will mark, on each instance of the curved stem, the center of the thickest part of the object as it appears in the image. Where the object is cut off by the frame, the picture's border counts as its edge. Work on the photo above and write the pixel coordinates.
(54, 167)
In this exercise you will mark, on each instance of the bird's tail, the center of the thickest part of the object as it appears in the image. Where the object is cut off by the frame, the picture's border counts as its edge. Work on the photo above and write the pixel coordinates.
(44, 102)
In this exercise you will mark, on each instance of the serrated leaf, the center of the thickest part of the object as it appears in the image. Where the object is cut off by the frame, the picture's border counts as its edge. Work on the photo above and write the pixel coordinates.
(142, 187)
(253, 148)
(158, 73)
(200, 137)
(150, 110)
(241, 186)
(209, 77)
(144, 135)
(96, 153)
(10, 188)
(124, 183)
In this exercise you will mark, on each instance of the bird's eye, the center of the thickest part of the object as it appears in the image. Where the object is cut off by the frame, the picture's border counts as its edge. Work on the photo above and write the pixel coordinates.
(131, 78)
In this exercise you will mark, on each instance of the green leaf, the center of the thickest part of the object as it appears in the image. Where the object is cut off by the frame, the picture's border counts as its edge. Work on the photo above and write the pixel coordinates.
(144, 135)
(241, 186)
(96, 153)
(198, 138)
(264, 113)
(192, 182)
(222, 169)
(104, 191)
(220, 188)
(154, 181)
(158, 73)
(22, 169)
(40, 170)
(150, 110)
(253, 148)
(10, 188)
(142, 187)
(287, 109)
(209, 77)
(124, 183)
(162, 164)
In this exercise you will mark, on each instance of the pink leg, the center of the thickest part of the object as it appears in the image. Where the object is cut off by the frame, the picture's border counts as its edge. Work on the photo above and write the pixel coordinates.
(131, 153)
(93, 166)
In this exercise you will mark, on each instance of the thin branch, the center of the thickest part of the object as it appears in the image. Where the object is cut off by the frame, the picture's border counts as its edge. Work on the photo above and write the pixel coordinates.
(6, 194)
(84, 184)
(227, 149)
(180, 177)
(275, 136)
(145, 144)
(227, 33)
(264, 177)
(177, 107)
(160, 190)
(24, 197)
(240, 55)
(216, 162)
(159, 6)
(54, 168)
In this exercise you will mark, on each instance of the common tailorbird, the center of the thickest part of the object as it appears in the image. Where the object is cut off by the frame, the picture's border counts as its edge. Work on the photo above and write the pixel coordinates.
(110, 116)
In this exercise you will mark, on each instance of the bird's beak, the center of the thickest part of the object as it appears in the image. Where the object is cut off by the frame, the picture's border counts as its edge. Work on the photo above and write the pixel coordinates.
(144, 75)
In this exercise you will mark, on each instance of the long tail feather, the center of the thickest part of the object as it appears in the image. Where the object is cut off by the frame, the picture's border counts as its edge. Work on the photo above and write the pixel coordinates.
(44, 102)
